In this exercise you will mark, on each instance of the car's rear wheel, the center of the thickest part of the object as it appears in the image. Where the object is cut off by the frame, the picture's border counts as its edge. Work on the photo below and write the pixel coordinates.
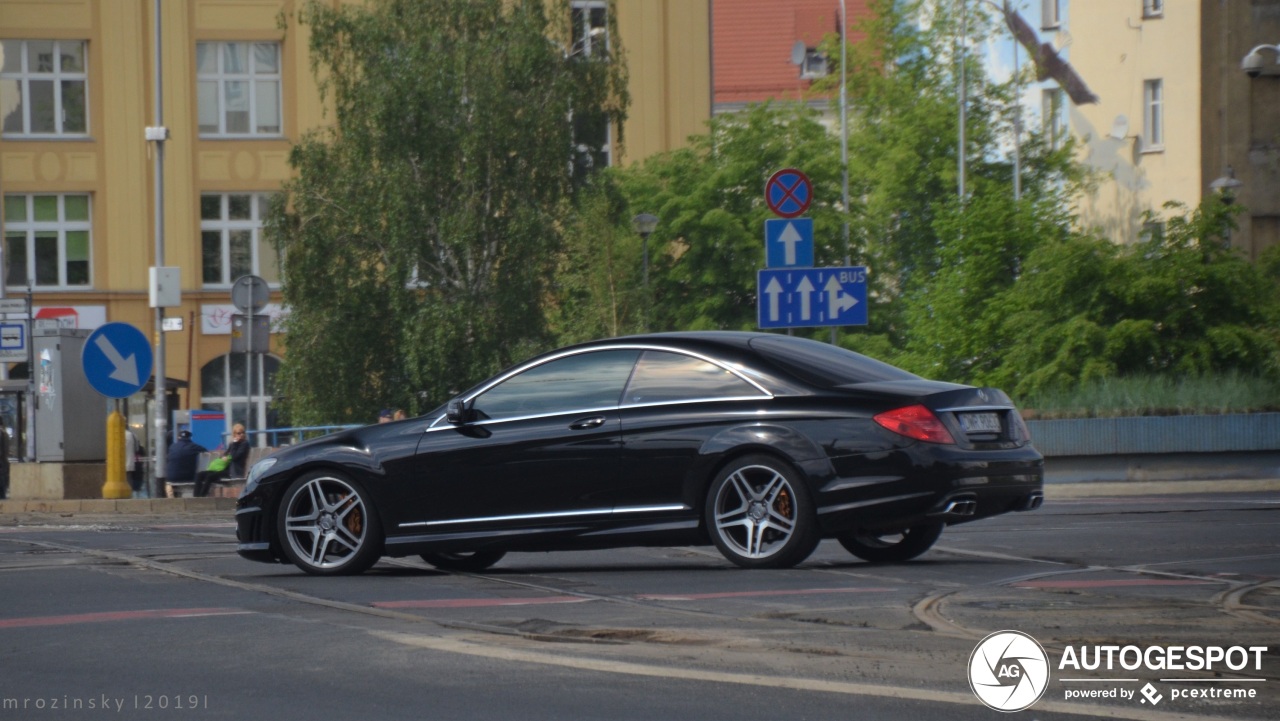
(759, 514)
(880, 547)
(328, 526)
(473, 561)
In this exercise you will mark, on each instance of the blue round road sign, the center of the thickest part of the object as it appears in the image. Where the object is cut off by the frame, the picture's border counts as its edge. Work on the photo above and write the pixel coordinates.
(788, 192)
(117, 360)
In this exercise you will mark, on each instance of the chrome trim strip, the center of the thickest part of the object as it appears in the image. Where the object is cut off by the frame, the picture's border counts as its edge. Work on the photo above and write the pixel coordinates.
(844, 485)
(251, 509)
(975, 409)
(541, 516)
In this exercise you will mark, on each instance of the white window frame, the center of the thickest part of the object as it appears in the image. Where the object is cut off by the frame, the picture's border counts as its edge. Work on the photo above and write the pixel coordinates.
(1152, 9)
(220, 78)
(1052, 112)
(23, 76)
(30, 227)
(591, 34)
(1153, 130)
(814, 65)
(606, 149)
(1050, 15)
(224, 225)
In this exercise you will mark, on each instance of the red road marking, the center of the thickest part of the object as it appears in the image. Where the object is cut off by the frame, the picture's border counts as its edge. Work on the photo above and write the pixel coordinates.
(1113, 583)
(751, 594)
(115, 616)
(479, 602)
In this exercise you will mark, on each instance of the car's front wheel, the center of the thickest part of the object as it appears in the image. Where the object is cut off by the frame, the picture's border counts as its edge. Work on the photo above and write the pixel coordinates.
(328, 526)
(472, 561)
(880, 547)
(759, 514)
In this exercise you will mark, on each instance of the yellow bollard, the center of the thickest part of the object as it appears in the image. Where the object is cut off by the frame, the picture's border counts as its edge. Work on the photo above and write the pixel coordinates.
(116, 486)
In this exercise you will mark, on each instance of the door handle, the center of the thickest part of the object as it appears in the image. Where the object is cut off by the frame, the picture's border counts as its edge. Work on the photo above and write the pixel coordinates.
(583, 424)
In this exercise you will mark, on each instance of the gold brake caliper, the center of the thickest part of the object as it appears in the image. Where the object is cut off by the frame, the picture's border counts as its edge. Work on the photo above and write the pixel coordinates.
(355, 519)
(783, 504)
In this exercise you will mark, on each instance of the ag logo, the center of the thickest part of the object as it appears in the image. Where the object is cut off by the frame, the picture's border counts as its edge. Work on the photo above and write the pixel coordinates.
(1008, 671)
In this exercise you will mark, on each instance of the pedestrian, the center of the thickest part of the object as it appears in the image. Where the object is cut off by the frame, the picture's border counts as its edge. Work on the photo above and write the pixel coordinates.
(384, 415)
(131, 471)
(228, 465)
(183, 456)
(399, 415)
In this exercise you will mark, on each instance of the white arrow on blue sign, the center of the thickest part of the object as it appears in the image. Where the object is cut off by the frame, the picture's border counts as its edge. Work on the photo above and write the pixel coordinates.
(788, 242)
(812, 297)
(117, 360)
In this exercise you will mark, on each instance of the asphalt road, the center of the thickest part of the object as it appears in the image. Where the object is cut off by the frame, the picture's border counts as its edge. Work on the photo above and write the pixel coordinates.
(156, 617)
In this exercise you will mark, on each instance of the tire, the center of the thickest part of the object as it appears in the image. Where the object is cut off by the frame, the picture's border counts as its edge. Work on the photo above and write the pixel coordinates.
(760, 515)
(328, 527)
(472, 561)
(892, 547)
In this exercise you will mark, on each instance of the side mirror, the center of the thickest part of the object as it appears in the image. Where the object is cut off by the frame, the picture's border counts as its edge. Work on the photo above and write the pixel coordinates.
(458, 412)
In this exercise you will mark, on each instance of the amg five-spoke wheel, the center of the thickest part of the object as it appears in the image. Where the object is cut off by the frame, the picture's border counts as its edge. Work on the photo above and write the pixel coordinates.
(760, 515)
(328, 526)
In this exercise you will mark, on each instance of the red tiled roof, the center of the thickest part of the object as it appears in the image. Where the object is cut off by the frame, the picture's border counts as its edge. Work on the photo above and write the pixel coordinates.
(752, 39)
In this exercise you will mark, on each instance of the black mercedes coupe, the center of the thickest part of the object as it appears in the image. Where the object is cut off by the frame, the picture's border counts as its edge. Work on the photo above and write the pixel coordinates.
(761, 444)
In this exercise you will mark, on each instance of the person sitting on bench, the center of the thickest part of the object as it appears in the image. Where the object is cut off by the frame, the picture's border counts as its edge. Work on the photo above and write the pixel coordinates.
(232, 465)
(182, 458)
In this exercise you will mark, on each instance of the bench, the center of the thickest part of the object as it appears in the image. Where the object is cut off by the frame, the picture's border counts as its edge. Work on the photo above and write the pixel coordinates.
(223, 487)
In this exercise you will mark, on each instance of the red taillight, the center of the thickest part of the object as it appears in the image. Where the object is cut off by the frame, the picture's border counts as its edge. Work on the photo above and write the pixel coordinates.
(915, 422)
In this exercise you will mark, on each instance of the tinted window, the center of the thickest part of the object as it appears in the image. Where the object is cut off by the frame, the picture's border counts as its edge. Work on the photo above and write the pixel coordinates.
(576, 382)
(662, 376)
(823, 364)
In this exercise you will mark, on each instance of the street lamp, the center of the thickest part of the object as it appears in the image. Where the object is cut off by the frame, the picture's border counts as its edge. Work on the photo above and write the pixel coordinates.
(1226, 187)
(644, 225)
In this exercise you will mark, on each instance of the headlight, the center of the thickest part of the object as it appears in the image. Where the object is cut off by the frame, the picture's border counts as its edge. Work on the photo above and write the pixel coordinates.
(259, 469)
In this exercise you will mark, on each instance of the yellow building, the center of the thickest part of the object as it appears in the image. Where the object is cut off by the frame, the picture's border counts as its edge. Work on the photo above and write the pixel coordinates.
(77, 92)
(1176, 111)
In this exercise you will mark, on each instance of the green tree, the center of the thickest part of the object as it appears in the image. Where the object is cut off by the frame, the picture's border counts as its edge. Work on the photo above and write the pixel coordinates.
(421, 228)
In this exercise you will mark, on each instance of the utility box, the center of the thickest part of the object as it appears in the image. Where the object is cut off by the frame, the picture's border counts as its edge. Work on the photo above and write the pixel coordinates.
(71, 417)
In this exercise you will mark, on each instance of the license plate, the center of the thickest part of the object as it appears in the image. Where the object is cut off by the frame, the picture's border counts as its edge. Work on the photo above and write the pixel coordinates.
(980, 422)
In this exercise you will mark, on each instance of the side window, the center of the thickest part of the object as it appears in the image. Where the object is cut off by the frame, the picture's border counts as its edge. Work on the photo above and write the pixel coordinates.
(576, 382)
(662, 377)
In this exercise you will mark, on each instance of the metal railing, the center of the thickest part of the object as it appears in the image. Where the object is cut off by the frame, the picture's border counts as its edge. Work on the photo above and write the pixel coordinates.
(277, 437)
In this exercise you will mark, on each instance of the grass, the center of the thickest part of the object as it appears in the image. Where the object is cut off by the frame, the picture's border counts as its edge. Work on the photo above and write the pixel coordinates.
(1157, 396)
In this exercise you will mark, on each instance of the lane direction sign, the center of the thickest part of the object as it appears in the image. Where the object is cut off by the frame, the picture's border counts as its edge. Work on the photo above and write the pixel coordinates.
(812, 297)
(788, 193)
(117, 360)
(788, 242)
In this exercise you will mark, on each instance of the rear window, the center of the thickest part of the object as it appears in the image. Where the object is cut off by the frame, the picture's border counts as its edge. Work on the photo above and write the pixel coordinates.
(825, 365)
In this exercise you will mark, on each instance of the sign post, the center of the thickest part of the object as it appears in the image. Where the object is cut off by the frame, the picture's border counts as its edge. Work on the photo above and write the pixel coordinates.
(117, 362)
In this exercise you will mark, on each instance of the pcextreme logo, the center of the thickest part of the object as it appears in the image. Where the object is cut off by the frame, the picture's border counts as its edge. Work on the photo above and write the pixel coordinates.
(1008, 671)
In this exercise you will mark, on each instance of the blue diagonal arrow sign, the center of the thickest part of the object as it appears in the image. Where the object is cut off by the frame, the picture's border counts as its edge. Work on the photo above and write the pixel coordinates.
(117, 360)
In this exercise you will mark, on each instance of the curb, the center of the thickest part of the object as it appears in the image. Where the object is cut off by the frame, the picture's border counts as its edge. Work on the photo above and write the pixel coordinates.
(222, 506)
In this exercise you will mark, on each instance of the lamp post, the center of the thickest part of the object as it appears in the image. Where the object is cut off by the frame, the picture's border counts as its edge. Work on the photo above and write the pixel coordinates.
(644, 225)
(1226, 186)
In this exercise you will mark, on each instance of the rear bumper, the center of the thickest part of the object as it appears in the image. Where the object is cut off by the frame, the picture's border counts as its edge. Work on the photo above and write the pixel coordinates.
(928, 482)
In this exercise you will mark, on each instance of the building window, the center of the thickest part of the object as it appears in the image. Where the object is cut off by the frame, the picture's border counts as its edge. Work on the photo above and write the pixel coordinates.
(223, 388)
(590, 28)
(1050, 15)
(814, 65)
(231, 242)
(238, 86)
(46, 241)
(1152, 8)
(1153, 115)
(1153, 231)
(43, 88)
(593, 142)
(1053, 116)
